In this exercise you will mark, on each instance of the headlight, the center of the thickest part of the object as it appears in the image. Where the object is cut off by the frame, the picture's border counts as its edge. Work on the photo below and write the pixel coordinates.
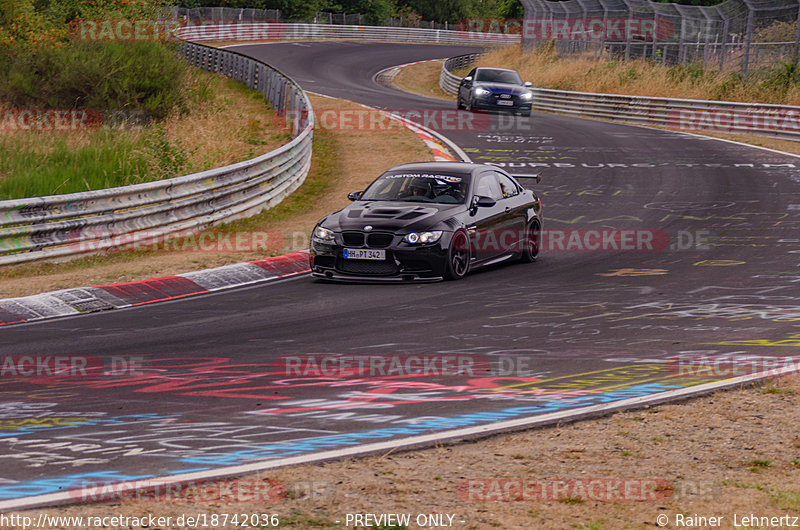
(323, 234)
(482, 92)
(526, 96)
(423, 238)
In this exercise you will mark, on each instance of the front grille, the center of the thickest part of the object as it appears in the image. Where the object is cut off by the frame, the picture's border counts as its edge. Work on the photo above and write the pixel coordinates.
(353, 239)
(506, 97)
(373, 268)
(379, 240)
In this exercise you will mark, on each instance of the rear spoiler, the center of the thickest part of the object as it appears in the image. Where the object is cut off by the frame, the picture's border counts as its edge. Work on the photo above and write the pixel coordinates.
(536, 176)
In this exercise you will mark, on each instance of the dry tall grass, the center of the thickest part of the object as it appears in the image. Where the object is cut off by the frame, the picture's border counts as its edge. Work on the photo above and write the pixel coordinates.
(544, 68)
(226, 123)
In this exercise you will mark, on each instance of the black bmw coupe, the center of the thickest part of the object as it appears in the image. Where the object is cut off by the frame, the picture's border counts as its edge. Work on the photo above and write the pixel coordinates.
(428, 221)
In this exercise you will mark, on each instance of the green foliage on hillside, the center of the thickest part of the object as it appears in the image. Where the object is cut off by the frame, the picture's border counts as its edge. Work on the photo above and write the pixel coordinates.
(47, 68)
(378, 11)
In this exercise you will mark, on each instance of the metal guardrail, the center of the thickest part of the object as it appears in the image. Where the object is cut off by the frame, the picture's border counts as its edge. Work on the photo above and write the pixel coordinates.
(86, 222)
(244, 31)
(449, 82)
(779, 121)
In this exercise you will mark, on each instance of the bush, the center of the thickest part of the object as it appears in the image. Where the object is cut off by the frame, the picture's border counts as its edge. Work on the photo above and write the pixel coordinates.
(95, 75)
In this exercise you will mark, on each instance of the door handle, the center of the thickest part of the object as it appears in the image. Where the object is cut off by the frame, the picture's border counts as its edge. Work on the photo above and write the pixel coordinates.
(508, 209)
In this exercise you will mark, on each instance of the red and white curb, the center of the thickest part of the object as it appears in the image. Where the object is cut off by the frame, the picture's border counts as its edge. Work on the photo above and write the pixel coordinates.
(442, 148)
(78, 300)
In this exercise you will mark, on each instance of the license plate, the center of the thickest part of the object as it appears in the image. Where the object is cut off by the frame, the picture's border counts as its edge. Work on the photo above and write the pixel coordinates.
(365, 253)
(504, 102)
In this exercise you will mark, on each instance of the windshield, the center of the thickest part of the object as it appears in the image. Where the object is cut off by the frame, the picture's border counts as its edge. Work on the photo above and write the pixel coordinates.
(498, 76)
(417, 187)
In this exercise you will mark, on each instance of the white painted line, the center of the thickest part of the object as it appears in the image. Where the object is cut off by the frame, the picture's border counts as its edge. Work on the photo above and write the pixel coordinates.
(736, 142)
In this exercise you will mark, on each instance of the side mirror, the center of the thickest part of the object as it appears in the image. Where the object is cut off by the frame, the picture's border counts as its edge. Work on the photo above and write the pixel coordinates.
(527, 84)
(354, 195)
(467, 79)
(482, 201)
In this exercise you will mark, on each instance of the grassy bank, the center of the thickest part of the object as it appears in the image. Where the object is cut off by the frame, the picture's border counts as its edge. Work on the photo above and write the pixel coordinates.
(223, 122)
(544, 68)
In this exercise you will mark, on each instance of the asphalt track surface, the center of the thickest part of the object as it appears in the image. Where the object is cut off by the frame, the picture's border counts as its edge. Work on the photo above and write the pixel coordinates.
(579, 327)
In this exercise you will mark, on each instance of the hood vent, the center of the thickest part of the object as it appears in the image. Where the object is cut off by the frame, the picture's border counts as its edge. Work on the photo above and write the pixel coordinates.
(383, 212)
(412, 215)
(451, 222)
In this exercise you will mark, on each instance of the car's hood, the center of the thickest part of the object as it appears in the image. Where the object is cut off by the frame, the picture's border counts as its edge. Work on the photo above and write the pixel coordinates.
(503, 88)
(392, 216)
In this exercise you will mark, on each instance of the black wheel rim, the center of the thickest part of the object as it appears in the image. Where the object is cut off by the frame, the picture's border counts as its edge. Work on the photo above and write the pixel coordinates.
(459, 256)
(533, 241)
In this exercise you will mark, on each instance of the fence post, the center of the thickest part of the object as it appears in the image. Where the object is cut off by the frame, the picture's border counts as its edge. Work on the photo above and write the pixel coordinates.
(748, 37)
(796, 37)
(723, 45)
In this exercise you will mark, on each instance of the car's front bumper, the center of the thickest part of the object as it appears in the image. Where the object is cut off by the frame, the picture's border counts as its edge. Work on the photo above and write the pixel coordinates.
(493, 104)
(403, 263)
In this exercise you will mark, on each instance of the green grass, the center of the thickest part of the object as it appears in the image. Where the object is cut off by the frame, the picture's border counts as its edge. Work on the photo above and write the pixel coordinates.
(42, 163)
(39, 164)
(774, 390)
(757, 466)
(302, 520)
(322, 173)
(787, 500)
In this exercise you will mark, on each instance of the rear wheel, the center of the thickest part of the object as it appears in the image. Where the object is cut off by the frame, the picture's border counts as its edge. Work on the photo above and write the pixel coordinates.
(530, 243)
(458, 256)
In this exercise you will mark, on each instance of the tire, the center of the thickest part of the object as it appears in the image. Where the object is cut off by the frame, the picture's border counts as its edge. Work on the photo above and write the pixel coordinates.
(459, 105)
(525, 113)
(468, 105)
(458, 254)
(531, 243)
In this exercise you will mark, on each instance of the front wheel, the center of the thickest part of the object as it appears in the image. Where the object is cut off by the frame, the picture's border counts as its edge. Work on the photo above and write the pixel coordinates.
(530, 243)
(458, 257)
(459, 105)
